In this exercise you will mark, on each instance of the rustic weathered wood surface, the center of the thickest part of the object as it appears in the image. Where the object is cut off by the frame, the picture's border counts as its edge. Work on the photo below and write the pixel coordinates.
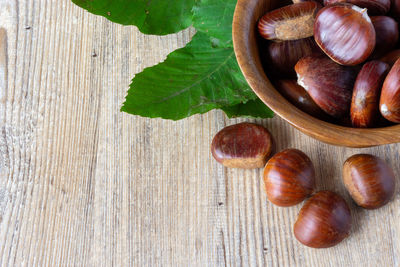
(82, 184)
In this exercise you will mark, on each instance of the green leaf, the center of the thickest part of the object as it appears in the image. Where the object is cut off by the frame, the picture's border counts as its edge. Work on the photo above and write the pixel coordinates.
(253, 109)
(158, 17)
(214, 17)
(193, 79)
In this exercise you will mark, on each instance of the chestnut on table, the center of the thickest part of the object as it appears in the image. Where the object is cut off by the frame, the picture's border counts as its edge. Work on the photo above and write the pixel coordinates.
(323, 221)
(244, 145)
(369, 180)
(289, 178)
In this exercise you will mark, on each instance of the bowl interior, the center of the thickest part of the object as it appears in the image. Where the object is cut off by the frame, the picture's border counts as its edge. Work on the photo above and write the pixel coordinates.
(245, 36)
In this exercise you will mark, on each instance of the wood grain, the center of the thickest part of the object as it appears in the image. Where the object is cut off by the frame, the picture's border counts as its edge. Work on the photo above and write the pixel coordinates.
(82, 184)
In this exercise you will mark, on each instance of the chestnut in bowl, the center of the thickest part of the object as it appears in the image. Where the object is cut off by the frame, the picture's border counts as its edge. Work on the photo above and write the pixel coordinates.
(292, 22)
(387, 35)
(283, 56)
(247, 50)
(391, 57)
(299, 97)
(345, 33)
(374, 7)
(390, 96)
(364, 109)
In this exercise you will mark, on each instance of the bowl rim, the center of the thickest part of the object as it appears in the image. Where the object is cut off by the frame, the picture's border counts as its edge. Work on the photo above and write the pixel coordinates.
(249, 62)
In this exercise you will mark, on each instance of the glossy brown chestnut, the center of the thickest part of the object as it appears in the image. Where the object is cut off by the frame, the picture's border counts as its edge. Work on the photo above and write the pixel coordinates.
(345, 33)
(323, 221)
(367, 89)
(300, 1)
(291, 22)
(299, 97)
(244, 145)
(389, 104)
(284, 55)
(369, 180)
(387, 35)
(329, 84)
(374, 7)
(395, 9)
(289, 177)
(391, 57)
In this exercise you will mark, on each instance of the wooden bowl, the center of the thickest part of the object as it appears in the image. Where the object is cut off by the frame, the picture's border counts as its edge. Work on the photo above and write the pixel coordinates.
(245, 20)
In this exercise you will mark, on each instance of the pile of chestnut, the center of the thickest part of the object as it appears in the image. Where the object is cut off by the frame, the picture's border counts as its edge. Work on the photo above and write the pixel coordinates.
(289, 178)
(343, 54)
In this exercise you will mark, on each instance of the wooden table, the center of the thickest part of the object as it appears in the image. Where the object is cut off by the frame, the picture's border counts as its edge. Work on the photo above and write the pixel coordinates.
(82, 184)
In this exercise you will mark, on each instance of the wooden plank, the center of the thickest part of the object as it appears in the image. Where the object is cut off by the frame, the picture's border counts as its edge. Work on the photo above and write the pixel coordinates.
(82, 184)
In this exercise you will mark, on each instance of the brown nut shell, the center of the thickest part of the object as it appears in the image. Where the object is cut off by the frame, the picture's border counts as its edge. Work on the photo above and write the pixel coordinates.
(323, 221)
(300, 1)
(329, 84)
(390, 97)
(345, 33)
(284, 55)
(365, 102)
(299, 97)
(291, 22)
(395, 9)
(387, 35)
(244, 145)
(374, 7)
(391, 57)
(369, 180)
(289, 177)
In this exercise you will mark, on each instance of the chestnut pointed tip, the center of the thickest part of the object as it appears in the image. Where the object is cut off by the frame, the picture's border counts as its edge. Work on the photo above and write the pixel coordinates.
(384, 110)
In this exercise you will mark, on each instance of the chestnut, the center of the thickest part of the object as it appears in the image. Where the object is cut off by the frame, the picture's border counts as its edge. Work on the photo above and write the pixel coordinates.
(369, 180)
(291, 22)
(289, 177)
(345, 33)
(387, 35)
(374, 7)
(299, 97)
(395, 9)
(389, 104)
(329, 84)
(364, 109)
(244, 145)
(323, 221)
(300, 1)
(391, 57)
(283, 56)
